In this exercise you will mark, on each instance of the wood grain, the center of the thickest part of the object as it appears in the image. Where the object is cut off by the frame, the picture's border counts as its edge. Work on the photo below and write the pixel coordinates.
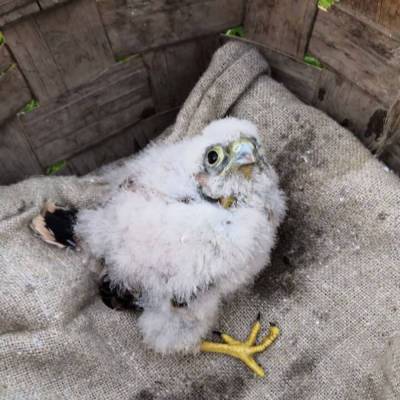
(5, 58)
(369, 8)
(359, 51)
(174, 70)
(17, 160)
(352, 107)
(143, 25)
(14, 14)
(44, 4)
(60, 49)
(391, 157)
(14, 93)
(281, 24)
(124, 144)
(298, 77)
(9, 5)
(103, 107)
(329, 91)
(391, 134)
(389, 15)
(384, 12)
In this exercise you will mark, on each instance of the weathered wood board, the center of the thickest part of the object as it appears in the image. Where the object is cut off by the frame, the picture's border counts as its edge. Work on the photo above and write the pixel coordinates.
(338, 97)
(60, 49)
(359, 51)
(94, 110)
(14, 93)
(44, 4)
(124, 144)
(12, 10)
(384, 12)
(298, 77)
(9, 5)
(113, 101)
(281, 24)
(352, 107)
(143, 25)
(174, 70)
(17, 161)
(5, 58)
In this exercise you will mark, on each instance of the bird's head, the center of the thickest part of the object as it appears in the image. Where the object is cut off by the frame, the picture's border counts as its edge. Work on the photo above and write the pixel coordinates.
(238, 157)
(232, 163)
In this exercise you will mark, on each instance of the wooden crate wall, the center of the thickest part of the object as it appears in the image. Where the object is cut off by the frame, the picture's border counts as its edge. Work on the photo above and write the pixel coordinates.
(358, 43)
(109, 75)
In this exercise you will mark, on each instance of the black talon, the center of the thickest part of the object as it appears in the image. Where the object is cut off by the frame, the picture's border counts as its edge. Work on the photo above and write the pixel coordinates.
(218, 333)
(258, 316)
(272, 324)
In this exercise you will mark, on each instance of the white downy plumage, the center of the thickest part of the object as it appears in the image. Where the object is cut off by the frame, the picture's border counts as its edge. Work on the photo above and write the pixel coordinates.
(161, 232)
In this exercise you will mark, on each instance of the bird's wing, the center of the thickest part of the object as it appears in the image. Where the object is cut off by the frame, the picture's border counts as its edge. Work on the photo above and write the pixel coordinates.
(55, 225)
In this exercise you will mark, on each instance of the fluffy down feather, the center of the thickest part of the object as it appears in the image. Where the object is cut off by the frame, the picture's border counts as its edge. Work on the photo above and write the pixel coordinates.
(158, 232)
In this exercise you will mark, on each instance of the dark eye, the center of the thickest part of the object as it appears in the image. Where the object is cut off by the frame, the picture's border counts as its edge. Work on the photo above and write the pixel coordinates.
(212, 157)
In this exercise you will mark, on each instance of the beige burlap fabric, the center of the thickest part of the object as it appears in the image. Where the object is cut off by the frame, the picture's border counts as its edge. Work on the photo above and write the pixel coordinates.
(333, 285)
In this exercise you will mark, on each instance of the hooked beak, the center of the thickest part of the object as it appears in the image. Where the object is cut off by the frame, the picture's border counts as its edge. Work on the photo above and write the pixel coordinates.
(242, 153)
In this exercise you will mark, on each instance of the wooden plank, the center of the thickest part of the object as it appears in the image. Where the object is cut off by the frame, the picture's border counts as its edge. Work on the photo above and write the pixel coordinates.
(103, 107)
(14, 93)
(359, 50)
(391, 134)
(18, 12)
(17, 160)
(60, 49)
(351, 107)
(283, 25)
(389, 14)
(9, 5)
(384, 12)
(391, 157)
(35, 59)
(369, 8)
(123, 144)
(174, 70)
(300, 78)
(137, 26)
(44, 4)
(338, 97)
(5, 58)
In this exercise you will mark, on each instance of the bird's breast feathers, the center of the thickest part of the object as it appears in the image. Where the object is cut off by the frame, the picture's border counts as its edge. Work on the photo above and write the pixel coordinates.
(164, 229)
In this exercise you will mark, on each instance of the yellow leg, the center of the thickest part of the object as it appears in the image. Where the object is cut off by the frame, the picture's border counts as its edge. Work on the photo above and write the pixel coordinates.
(244, 351)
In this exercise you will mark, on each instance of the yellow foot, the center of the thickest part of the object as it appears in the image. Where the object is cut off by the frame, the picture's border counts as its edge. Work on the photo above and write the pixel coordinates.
(244, 351)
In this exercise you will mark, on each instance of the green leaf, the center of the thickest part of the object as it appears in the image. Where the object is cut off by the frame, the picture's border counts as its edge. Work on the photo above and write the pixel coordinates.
(121, 59)
(237, 31)
(56, 167)
(326, 4)
(311, 60)
(33, 104)
(2, 38)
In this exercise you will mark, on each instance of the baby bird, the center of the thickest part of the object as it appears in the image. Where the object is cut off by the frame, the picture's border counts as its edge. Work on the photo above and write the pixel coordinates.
(185, 225)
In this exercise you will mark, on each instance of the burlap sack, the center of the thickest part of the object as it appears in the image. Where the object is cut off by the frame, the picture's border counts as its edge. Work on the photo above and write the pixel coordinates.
(333, 286)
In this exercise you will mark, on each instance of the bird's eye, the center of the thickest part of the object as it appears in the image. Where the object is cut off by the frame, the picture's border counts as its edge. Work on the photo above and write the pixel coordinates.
(214, 156)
